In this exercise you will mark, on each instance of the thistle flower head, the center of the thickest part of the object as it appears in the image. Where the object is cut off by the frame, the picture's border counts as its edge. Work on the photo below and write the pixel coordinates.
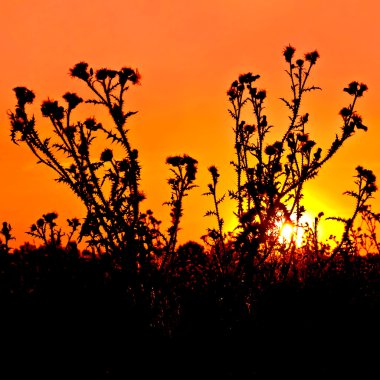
(214, 173)
(106, 155)
(270, 150)
(362, 88)
(135, 78)
(261, 95)
(303, 137)
(288, 53)
(369, 178)
(249, 129)
(50, 108)
(101, 74)
(80, 71)
(50, 217)
(312, 57)
(354, 88)
(232, 93)
(91, 124)
(174, 160)
(111, 73)
(248, 78)
(72, 99)
(24, 95)
(344, 112)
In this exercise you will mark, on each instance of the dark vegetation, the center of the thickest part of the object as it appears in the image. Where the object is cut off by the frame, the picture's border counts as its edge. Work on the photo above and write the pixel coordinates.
(246, 304)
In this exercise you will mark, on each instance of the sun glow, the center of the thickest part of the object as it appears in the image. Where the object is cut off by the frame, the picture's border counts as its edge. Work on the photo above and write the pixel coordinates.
(290, 232)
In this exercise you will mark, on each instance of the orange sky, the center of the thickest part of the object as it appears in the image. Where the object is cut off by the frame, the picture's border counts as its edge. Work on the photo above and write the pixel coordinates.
(188, 53)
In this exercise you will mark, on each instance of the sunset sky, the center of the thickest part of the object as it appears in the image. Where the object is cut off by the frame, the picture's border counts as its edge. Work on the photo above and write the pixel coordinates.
(188, 53)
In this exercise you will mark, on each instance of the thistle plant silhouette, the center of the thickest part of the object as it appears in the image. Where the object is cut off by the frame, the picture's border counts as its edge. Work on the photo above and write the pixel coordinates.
(47, 230)
(216, 235)
(366, 186)
(6, 232)
(108, 187)
(113, 217)
(270, 176)
(184, 169)
(364, 236)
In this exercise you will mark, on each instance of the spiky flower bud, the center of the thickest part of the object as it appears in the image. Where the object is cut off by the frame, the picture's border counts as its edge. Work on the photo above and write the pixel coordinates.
(80, 71)
(106, 155)
(288, 53)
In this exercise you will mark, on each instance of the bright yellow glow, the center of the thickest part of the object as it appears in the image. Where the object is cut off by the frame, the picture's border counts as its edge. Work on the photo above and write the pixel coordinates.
(293, 233)
(287, 233)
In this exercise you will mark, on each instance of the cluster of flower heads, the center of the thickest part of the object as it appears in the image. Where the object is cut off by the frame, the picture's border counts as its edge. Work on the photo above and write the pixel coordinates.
(92, 124)
(48, 218)
(351, 118)
(50, 108)
(369, 179)
(24, 96)
(82, 71)
(356, 89)
(186, 161)
(245, 81)
(309, 57)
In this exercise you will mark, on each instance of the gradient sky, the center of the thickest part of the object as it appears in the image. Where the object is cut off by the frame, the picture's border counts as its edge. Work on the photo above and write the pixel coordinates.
(188, 53)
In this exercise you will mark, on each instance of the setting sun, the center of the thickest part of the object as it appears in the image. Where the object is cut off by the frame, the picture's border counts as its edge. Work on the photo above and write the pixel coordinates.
(289, 232)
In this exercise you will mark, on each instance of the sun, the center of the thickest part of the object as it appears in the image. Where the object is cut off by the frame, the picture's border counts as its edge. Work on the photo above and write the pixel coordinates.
(287, 232)
(290, 232)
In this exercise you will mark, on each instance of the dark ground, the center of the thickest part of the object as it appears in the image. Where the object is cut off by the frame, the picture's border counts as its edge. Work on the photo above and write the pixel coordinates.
(67, 322)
